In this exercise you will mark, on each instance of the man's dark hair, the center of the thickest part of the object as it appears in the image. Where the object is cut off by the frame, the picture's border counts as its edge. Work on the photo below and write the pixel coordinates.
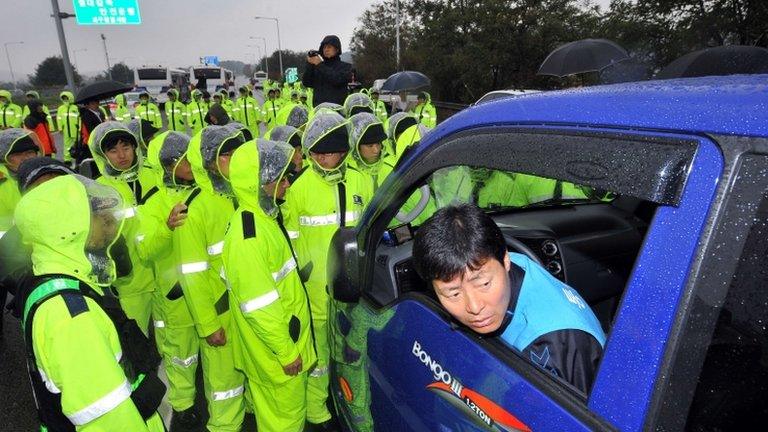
(456, 238)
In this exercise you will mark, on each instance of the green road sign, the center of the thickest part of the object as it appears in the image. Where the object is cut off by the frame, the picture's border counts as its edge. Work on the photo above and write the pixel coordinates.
(107, 12)
(292, 75)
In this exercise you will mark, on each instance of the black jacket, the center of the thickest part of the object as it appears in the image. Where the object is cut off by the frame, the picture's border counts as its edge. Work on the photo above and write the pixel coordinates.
(328, 79)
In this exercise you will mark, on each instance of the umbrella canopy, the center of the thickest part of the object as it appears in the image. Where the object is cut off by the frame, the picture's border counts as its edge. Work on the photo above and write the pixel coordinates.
(722, 60)
(586, 55)
(406, 81)
(626, 71)
(101, 90)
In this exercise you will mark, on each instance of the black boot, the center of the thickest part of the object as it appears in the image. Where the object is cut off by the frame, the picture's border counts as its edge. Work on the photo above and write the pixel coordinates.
(185, 420)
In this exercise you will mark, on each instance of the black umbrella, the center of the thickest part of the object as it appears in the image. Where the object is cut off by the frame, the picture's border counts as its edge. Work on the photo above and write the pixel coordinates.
(101, 90)
(586, 55)
(626, 71)
(406, 81)
(722, 60)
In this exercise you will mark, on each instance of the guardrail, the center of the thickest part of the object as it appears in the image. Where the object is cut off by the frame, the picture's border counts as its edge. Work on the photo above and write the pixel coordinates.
(447, 109)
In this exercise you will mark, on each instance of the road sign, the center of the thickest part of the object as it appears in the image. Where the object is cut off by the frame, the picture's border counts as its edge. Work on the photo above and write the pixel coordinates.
(291, 75)
(107, 12)
(210, 60)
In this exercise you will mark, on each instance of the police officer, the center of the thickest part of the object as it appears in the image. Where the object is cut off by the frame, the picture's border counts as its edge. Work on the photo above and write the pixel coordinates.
(10, 113)
(246, 111)
(122, 112)
(328, 195)
(16, 146)
(369, 154)
(424, 111)
(198, 245)
(83, 374)
(162, 213)
(33, 95)
(120, 162)
(175, 112)
(196, 111)
(292, 136)
(270, 305)
(356, 103)
(68, 122)
(379, 107)
(270, 108)
(146, 110)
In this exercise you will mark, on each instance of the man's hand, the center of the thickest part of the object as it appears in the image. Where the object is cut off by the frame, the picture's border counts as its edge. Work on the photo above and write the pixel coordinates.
(177, 216)
(294, 367)
(217, 338)
(315, 60)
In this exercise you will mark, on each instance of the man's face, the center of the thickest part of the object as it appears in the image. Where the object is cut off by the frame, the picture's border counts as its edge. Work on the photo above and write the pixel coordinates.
(104, 229)
(223, 162)
(374, 97)
(31, 97)
(277, 189)
(478, 299)
(3, 100)
(172, 97)
(328, 161)
(121, 156)
(184, 170)
(329, 51)
(370, 152)
(93, 105)
(421, 100)
(15, 159)
(297, 160)
(144, 99)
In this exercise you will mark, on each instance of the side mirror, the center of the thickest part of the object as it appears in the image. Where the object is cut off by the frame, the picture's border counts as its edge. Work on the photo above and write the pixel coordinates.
(344, 266)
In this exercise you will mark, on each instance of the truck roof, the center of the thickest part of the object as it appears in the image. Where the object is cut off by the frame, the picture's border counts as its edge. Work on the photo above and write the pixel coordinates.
(726, 105)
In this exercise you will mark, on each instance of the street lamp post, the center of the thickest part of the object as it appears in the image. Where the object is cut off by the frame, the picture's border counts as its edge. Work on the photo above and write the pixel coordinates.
(58, 16)
(279, 44)
(106, 54)
(257, 49)
(397, 32)
(266, 54)
(74, 53)
(8, 56)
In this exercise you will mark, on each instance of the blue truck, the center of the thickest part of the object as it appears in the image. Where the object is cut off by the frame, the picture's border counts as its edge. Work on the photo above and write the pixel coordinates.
(649, 199)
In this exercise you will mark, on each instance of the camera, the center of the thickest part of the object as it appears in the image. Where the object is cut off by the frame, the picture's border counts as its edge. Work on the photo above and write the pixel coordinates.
(312, 53)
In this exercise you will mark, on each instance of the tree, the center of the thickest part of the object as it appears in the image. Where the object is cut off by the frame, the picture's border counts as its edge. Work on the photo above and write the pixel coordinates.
(120, 73)
(50, 72)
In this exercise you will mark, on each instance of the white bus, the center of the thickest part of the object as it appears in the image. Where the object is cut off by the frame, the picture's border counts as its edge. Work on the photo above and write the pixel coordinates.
(158, 80)
(215, 77)
(258, 79)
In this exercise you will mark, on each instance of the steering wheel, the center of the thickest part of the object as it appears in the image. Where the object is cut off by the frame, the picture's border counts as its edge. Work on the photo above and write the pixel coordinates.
(416, 211)
(519, 246)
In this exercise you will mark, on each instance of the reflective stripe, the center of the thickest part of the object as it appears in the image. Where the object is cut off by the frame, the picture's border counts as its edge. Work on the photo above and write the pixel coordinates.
(48, 383)
(2, 233)
(159, 324)
(293, 234)
(126, 213)
(284, 270)
(319, 371)
(229, 394)
(194, 267)
(259, 302)
(223, 274)
(140, 238)
(330, 219)
(215, 249)
(187, 362)
(101, 406)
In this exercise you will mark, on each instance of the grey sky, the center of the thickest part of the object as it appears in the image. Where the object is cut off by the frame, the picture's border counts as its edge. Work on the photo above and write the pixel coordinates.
(176, 32)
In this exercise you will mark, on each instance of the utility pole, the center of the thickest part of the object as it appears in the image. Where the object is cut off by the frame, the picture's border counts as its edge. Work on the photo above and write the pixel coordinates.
(397, 32)
(106, 54)
(10, 65)
(58, 16)
(266, 54)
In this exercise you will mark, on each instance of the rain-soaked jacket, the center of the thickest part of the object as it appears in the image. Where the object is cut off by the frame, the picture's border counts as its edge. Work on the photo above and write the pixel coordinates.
(176, 113)
(426, 112)
(329, 79)
(122, 112)
(10, 113)
(246, 111)
(25, 110)
(269, 111)
(199, 242)
(365, 128)
(269, 302)
(149, 112)
(133, 185)
(68, 117)
(356, 103)
(9, 187)
(196, 111)
(292, 114)
(318, 202)
(82, 371)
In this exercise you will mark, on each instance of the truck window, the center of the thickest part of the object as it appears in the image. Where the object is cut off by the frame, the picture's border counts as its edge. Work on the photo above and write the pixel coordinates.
(732, 387)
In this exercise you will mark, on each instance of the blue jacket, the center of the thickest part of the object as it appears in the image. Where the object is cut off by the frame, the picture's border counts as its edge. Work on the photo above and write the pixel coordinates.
(551, 324)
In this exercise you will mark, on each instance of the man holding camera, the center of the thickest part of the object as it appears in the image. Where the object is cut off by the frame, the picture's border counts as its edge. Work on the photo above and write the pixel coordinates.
(326, 73)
